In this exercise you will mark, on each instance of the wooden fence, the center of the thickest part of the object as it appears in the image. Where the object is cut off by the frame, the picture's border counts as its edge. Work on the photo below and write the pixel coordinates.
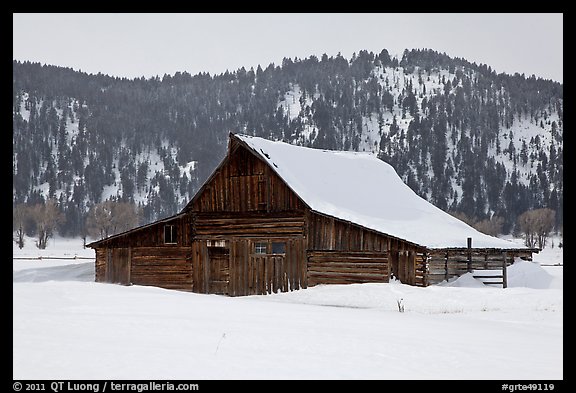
(446, 264)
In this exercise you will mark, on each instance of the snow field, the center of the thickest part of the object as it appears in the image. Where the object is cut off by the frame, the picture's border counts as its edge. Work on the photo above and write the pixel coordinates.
(66, 326)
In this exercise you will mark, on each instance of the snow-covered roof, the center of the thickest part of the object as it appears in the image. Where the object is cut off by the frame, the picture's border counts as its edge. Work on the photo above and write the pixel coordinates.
(360, 188)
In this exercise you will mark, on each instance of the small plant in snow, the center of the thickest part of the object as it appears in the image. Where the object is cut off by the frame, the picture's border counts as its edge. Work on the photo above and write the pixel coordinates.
(400, 305)
(218, 346)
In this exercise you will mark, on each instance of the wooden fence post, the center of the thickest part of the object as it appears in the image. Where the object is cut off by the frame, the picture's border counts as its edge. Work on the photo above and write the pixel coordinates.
(469, 240)
(504, 274)
(446, 267)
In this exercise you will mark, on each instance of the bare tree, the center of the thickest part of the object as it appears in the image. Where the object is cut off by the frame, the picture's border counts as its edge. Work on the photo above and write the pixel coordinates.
(99, 220)
(126, 216)
(83, 230)
(526, 224)
(110, 217)
(490, 226)
(47, 217)
(462, 217)
(19, 215)
(536, 226)
(545, 221)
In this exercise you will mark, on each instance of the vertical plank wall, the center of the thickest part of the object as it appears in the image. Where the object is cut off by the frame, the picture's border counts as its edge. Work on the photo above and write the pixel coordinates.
(342, 253)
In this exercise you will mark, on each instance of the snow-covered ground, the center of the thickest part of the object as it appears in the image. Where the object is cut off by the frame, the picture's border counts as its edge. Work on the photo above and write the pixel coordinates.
(65, 326)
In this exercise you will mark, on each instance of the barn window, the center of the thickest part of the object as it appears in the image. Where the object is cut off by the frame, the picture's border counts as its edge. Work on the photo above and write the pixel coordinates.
(170, 234)
(260, 248)
(278, 248)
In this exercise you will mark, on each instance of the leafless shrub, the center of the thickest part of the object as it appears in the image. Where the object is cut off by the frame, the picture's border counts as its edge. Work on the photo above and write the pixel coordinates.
(490, 226)
(536, 226)
(19, 216)
(110, 217)
(46, 216)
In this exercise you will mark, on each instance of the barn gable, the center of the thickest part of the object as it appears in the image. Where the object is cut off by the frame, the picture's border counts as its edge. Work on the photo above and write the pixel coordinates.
(244, 183)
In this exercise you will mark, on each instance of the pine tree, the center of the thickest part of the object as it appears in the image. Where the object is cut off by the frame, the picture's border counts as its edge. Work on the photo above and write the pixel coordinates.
(119, 119)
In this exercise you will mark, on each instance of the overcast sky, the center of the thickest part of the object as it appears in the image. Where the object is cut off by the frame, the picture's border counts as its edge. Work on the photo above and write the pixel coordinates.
(134, 45)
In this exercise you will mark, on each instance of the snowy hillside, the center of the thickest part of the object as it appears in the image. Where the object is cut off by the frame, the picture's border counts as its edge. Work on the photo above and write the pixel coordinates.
(65, 326)
(466, 139)
(527, 136)
(134, 172)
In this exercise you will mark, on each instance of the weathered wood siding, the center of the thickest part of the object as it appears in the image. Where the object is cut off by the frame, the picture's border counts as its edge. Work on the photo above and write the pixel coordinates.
(420, 266)
(248, 273)
(112, 265)
(118, 265)
(153, 235)
(340, 252)
(446, 264)
(346, 267)
(408, 266)
(216, 226)
(245, 202)
(329, 233)
(165, 267)
(100, 265)
(257, 274)
(244, 183)
(142, 257)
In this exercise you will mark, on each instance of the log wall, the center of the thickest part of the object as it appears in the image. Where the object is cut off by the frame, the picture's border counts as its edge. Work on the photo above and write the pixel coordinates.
(340, 252)
(347, 267)
(420, 267)
(216, 226)
(152, 235)
(409, 266)
(165, 267)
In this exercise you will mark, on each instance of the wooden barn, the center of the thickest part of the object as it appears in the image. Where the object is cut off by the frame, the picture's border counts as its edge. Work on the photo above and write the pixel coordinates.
(278, 217)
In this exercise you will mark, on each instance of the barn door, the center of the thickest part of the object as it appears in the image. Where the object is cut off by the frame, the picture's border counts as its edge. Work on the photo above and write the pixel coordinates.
(118, 265)
(218, 270)
(403, 263)
(267, 275)
(267, 267)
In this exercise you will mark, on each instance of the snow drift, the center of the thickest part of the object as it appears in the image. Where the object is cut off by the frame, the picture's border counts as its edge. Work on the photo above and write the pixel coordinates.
(520, 274)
